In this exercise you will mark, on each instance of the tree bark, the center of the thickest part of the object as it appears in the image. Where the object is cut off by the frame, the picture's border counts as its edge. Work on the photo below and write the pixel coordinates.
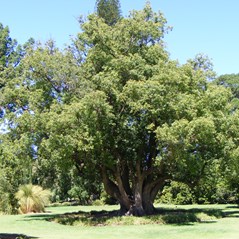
(138, 209)
(141, 198)
(124, 197)
(150, 191)
(116, 191)
(147, 202)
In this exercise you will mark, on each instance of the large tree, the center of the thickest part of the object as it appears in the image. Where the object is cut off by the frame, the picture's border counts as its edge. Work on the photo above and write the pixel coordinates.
(115, 104)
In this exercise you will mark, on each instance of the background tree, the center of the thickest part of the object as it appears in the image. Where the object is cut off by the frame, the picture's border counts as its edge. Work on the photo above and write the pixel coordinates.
(7, 47)
(15, 170)
(230, 170)
(10, 56)
(230, 81)
(203, 63)
(109, 10)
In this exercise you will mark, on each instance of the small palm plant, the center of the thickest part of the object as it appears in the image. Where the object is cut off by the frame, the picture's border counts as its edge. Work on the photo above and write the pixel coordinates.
(32, 198)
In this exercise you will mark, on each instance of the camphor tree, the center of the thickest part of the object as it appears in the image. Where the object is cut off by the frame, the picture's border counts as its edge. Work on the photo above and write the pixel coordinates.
(115, 104)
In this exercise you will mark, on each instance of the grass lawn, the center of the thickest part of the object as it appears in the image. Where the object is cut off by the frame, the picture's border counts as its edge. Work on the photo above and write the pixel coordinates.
(36, 225)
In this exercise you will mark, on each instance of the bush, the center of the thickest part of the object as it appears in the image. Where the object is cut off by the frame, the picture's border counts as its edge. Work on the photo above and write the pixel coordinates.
(32, 198)
(176, 193)
(107, 199)
(5, 203)
(98, 202)
(79, 194)
(8, 203)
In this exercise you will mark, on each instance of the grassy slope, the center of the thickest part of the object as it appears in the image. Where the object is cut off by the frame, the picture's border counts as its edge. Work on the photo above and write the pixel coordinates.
(35, 225)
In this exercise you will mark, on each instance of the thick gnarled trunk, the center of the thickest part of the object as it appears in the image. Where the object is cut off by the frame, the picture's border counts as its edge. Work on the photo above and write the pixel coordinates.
(139, 199)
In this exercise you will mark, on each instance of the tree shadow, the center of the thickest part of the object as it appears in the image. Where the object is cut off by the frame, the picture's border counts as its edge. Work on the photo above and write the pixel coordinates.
(191, 216)
(177, 216)
(234, 214)
(40, 217)
(234, 206)
(15, 236)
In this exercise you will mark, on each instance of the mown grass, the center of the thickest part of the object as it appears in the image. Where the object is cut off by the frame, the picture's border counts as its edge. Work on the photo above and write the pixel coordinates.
(194, 221)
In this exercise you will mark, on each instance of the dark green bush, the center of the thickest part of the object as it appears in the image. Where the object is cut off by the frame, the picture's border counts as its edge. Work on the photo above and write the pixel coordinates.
(176, 193)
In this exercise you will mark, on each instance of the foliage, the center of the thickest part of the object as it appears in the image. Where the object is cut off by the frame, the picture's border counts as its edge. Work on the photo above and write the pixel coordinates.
(213, 187)
(176, 193)
(66, 182)
(203, 63)
(6, 204)
(32, 198)
(98, 202)
(84, 189)
(230, 81)
(109, 10)
(107, 199)
(10, 55)
(231, 171)
(7, 46)
(13, 172)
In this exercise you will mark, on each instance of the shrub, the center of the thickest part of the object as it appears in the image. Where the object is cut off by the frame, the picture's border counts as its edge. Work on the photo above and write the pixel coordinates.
(106, 199)
(79, 194)
(176, 193)
(98, 202)
(8, 203)
(32, 198)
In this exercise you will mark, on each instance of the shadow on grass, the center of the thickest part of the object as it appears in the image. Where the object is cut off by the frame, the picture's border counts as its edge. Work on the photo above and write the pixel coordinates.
(234, 214)
(36, 217)
(191, 216)
(235, 206)
(14, 236)
(178, 216)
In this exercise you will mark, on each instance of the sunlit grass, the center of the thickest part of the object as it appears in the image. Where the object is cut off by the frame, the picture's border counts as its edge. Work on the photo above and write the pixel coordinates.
(212, 222)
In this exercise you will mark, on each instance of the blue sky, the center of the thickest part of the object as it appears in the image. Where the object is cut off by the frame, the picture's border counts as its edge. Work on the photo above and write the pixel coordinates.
(205, 26)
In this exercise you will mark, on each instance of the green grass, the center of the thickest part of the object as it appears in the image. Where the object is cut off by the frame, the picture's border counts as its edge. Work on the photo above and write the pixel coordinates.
(194, 221)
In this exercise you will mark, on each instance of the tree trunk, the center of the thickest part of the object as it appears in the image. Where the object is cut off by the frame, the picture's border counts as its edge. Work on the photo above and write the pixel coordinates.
(149, 194)
(144, 193)
(123, 210)
(148, 203)
(137, 208)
